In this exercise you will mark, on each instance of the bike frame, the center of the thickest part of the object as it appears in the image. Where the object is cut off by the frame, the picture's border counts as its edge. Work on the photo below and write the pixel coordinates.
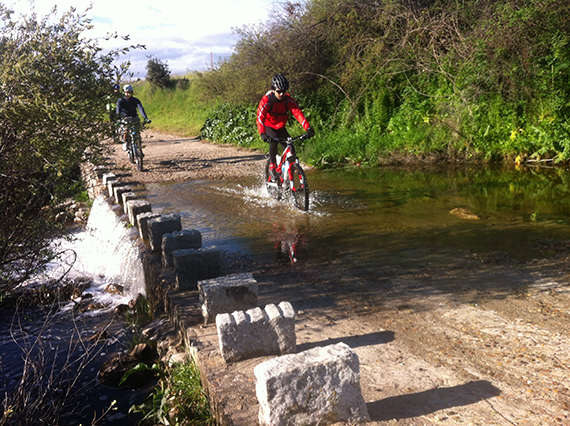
(131, 127)
(292, 183)
(288, 157)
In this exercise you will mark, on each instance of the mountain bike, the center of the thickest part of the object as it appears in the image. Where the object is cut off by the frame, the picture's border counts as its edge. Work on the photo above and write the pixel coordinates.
(291, 183)
(132, 128)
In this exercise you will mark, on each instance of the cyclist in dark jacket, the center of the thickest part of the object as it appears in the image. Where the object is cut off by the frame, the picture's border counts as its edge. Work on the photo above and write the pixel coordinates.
(127, 106)
(272, 116)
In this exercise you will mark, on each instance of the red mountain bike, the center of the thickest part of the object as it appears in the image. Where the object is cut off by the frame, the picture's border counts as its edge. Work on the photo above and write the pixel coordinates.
(291, 183)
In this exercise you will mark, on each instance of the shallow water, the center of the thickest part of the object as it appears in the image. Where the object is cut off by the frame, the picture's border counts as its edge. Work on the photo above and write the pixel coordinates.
(363, 216)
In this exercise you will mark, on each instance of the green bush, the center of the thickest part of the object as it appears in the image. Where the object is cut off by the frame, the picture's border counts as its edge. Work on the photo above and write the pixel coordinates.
(157, 73)
(232, 124)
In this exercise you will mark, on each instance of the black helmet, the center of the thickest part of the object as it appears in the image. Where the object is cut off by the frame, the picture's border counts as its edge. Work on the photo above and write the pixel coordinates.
(279, 82)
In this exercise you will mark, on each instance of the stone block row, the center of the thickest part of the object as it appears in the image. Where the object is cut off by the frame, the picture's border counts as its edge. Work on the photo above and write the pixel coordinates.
(180, 249)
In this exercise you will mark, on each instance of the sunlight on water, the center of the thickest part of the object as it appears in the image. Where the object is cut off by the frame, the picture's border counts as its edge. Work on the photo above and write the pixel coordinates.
(106, 252)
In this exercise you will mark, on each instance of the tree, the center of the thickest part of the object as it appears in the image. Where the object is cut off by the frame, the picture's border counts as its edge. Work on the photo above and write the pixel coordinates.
(53, 87)
(157, 73)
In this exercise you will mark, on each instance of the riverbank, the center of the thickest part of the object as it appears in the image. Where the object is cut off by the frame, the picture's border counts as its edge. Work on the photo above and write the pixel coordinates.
(452, 338)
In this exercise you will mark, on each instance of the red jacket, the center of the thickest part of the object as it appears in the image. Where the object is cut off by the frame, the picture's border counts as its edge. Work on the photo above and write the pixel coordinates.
(273, 113)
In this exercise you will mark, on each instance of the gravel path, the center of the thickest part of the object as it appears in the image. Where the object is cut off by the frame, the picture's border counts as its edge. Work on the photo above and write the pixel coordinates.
(169, 158)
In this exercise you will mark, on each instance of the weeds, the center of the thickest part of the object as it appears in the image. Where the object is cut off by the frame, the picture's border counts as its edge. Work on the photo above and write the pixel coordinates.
(178, 398)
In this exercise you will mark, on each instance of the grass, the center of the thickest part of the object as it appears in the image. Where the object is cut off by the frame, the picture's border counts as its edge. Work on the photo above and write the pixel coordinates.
(177, 110)
(178, 399)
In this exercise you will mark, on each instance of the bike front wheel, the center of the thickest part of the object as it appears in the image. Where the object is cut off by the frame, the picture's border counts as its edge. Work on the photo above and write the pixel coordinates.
(273, 188)
(299, 187)
(130, 150)
(138, 154)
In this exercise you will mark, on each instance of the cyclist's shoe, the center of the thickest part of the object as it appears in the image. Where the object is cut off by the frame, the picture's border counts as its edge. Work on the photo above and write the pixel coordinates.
(273, 174)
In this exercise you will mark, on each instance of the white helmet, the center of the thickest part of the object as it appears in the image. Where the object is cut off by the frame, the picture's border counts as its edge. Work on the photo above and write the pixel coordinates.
(127, 88)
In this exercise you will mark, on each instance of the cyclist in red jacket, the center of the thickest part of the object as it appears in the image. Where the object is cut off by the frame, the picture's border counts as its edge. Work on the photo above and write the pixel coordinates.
(272, 116)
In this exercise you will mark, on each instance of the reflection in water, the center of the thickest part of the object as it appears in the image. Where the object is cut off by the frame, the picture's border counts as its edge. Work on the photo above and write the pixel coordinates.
(289, 243)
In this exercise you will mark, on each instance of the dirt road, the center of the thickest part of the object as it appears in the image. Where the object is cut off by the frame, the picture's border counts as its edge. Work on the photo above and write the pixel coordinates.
(466, 340)
(169, 158)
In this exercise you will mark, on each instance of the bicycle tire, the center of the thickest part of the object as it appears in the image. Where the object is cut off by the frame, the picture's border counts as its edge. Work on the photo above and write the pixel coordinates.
(130, 149)
(298, 187)
(273, 188)
(138, 154)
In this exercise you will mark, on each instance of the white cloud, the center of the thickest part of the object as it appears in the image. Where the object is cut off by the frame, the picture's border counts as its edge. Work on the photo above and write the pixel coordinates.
(184, 34)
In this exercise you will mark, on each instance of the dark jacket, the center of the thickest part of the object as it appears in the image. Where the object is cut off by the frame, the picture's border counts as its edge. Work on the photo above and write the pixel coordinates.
(127, 107)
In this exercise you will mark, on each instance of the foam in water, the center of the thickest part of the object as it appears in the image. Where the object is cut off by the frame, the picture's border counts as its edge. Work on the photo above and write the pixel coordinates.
(106, 252)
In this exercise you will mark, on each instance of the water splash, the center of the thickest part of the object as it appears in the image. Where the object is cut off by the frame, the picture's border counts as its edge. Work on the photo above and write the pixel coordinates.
(105, 251)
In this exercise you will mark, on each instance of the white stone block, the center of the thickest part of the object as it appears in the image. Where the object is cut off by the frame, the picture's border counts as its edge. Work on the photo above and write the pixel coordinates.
(320, 386)
(119, 190)
(227, 294)
(142, 223)
(135, 207)
(179, 240)
(253, 333)
(160, 225)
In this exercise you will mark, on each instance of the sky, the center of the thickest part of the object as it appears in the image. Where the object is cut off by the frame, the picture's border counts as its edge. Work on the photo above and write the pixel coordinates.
(186, 34)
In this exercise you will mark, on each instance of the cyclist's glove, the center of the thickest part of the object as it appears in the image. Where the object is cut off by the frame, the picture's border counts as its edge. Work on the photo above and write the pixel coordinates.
(309, 133)
(265, 137)
(147, 120)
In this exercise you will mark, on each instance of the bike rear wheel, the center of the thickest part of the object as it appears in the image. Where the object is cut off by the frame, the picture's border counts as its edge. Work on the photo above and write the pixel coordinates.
(299, 188)
(273, 188)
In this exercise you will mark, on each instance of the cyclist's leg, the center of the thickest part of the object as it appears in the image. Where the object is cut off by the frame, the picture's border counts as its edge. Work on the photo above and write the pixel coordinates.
(273, 146)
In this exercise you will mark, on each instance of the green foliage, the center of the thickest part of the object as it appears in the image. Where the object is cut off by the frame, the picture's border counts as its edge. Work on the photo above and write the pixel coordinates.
(138, 317)
(53, 87)
(178, 398)
(179, 108)
(232, 124)
(486, 80)
(157, 73)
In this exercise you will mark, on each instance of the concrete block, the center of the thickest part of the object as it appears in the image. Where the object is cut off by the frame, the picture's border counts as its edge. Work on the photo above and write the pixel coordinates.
(227, 294)
(179, 240)
(100, 171)
(142, 223)
(135, 208)
(191, 266)
(127, 196)
(118, 191)
(257, 332)
(320, 386)
(107, 177)
(160, 225)
(111, 185)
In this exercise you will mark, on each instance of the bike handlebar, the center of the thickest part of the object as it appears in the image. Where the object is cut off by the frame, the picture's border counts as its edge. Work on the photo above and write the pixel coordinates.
(290, 139)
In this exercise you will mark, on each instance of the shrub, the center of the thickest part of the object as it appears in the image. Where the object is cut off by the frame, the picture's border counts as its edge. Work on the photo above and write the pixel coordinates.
(157, 73)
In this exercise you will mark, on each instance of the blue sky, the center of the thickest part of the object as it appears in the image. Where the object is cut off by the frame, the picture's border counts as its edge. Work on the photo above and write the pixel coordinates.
(186, 34)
